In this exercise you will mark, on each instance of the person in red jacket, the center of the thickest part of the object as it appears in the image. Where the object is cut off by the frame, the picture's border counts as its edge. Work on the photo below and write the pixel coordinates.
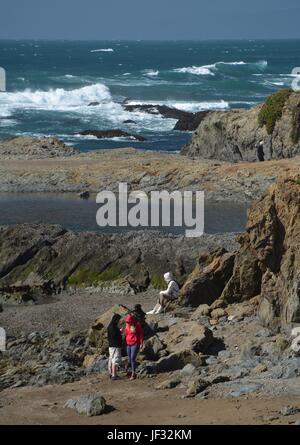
(134, 341)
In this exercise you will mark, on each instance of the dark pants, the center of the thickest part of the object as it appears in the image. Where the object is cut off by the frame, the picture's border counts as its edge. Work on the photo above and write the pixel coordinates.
(132, 352)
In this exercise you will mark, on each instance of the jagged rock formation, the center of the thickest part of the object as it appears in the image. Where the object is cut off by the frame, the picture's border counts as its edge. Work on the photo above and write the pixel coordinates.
(207, 281)
(235, 135)
(266, 266)
(270, 257)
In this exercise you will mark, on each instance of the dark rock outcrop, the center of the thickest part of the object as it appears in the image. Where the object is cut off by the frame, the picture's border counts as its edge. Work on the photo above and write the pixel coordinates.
(163, 110)
(129, 121)
(268, 262)
(190, 121)
(186, 121)
(38, 259)
(109, 134)
(235, 135)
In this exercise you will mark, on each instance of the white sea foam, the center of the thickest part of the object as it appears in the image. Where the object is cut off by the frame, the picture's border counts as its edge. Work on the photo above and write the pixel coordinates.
(58, 99)
(185, 106)
(210, 70)
(8, 122)
(102, 50)
(151, 73)
(196, 70)
(88, 137)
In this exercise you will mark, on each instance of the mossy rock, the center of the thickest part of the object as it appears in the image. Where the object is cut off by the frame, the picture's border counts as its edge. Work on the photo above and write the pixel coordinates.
(272, 110)
(86, 277)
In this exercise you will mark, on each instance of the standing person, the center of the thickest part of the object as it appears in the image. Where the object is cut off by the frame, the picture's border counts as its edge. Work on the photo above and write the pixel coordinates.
(114, 345)
(139, 314)
(171, 293)
(134, 341)
(260, 152)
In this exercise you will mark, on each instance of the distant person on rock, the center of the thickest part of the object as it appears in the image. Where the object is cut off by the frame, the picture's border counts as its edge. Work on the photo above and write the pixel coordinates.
(134, 338)
(115, 346)
(170, 294)
(260, 152)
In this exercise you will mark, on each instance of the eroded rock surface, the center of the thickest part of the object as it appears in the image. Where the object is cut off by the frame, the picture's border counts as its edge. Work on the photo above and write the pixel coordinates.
(234, 135)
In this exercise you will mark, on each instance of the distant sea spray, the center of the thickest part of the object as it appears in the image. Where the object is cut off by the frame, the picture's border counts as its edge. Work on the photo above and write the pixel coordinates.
(102, 50)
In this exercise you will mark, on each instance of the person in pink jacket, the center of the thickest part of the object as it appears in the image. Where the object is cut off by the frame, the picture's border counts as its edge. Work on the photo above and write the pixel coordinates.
(134, 338)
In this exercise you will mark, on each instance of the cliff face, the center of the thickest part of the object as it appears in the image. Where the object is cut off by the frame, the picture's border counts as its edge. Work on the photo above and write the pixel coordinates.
(265, 268)
(268, 262)
(234, 135)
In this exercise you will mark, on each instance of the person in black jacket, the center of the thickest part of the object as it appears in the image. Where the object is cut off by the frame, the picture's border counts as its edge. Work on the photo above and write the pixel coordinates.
(115, 346)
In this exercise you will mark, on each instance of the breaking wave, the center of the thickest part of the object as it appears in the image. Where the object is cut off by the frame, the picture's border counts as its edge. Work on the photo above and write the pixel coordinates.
(210, 70)
(185, 106)
(56, 99)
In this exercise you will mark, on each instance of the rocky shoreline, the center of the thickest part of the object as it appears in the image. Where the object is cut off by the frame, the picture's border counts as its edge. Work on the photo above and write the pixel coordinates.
(234, 333)
(228, 337)
(24, 169)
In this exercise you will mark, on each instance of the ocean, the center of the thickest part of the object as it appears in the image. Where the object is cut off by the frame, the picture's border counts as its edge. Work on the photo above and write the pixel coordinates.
(50, 85)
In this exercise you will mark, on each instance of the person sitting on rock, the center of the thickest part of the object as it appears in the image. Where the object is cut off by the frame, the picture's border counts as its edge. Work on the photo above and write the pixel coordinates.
(115, 341)
(171, 293)
(134, 338)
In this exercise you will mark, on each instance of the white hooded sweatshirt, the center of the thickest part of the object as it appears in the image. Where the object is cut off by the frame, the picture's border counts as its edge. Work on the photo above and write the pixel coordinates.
(173, 288)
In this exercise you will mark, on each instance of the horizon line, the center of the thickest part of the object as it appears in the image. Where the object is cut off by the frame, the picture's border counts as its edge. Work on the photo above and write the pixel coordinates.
(150, 40)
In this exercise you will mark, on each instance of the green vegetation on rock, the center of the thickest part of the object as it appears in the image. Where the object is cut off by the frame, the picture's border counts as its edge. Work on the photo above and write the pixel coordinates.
(272, 110)
(86, 277)
(110, 274)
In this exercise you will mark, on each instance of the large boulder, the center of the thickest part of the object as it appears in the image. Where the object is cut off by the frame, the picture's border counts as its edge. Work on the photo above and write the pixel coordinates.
(90, 405)
(188, 335)
(177, 360)
(235, 135)
(207, 281)
(153, 348)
